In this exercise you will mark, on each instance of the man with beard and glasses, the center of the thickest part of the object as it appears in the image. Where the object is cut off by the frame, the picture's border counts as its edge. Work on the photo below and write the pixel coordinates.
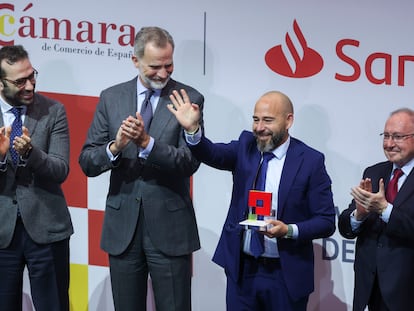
(149, 226)
(35, 224)
(280, 276)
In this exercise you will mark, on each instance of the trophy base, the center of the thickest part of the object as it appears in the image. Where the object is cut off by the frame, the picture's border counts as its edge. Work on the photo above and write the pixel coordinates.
(254, 223)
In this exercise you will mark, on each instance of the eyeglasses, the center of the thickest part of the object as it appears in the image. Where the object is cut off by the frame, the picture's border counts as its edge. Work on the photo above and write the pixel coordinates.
(20, 83)
(398, 138)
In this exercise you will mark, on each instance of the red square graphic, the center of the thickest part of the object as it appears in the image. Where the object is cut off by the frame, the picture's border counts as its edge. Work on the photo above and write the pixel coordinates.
(79, 110)
(97, 256)
(261, 201)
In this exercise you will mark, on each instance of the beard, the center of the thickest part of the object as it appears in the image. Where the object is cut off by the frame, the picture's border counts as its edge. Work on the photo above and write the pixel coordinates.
(155, 85)
(16, 98)
(275, 141)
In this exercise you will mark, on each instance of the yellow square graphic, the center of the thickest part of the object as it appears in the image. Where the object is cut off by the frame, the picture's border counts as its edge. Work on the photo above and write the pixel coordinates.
(78, 288)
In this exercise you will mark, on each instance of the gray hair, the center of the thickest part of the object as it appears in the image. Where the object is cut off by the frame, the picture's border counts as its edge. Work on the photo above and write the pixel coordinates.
(405, 110)
(156, 35)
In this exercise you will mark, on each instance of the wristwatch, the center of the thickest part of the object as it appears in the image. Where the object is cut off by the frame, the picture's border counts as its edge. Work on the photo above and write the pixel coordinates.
(289, 234)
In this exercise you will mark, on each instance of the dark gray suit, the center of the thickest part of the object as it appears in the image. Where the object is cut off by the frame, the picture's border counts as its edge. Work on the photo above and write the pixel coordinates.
(35, 189)
(384, 250)
(159, 185)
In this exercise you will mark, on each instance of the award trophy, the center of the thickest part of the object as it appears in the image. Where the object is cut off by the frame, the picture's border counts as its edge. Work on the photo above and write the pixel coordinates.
(260, 208)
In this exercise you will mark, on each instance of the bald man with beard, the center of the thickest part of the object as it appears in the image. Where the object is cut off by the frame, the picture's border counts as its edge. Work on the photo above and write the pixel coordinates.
(282, 277)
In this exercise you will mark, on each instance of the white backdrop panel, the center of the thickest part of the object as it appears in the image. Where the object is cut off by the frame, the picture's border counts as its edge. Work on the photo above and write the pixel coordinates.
(220, 49)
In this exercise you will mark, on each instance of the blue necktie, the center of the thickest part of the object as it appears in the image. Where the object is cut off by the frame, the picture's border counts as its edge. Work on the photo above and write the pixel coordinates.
(16, 130)
(257, 239)
(261, 175)
(146, 109)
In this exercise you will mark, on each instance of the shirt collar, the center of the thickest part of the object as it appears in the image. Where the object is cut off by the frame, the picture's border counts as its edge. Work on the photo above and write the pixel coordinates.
(141, 89)
(407, 168)
(281, 151)
(5, 107)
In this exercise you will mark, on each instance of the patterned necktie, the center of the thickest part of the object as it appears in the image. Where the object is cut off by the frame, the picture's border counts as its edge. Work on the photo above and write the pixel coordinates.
(16, 130)
(392, 187)
(257, 239)
(146, 109)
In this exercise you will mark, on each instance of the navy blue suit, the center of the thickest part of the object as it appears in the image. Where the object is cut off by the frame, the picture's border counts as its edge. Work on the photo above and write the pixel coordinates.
(385, 250)
(304, 199)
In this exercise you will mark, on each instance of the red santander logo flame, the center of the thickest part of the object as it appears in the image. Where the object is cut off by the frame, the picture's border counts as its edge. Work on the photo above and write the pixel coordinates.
(299, 61)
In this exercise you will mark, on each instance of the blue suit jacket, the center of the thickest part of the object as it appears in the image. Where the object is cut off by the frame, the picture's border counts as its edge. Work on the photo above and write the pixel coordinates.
(305, 199)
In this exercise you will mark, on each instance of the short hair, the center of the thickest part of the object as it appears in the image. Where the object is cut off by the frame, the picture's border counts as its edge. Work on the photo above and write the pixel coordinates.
(11, 54)
(409, 112)
(156, 35)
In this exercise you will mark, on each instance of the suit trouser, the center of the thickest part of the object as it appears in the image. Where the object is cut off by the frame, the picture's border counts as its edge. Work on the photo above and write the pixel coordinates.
(261, 288)
(170, 275)
(376, 301)
(48, 267)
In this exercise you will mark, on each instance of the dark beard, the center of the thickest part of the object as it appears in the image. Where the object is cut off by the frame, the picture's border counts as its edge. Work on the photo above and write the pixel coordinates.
(12, 100)
(276, 141)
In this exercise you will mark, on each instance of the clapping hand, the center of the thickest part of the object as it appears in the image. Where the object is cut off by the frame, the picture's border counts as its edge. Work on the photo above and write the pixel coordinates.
(4, 140)
(367, 201)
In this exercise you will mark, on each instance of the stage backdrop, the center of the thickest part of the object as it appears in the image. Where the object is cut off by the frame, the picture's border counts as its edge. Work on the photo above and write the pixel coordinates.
(345, 64)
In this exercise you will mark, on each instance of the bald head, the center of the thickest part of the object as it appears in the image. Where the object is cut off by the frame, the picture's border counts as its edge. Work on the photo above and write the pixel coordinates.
(273, 116)
(279, 100)
(400, 124)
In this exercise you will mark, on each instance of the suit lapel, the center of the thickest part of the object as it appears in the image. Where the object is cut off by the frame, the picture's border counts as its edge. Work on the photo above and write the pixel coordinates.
(32, 115)
(406, 190)
(386, 174)
(250, 167)
(162, 116)
(129, 96)
(290, 169)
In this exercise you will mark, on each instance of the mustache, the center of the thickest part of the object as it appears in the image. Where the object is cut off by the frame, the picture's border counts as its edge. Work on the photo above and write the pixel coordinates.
(24, 92)
(264, 132)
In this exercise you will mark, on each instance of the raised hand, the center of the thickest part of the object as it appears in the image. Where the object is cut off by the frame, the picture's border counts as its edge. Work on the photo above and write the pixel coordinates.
(187, 113)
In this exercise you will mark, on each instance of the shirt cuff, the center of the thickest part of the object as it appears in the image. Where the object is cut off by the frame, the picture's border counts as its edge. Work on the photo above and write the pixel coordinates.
(355, 224)
(144, 153)
(109, 153)
(193, 139)
(295, 232)
(386, 213)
